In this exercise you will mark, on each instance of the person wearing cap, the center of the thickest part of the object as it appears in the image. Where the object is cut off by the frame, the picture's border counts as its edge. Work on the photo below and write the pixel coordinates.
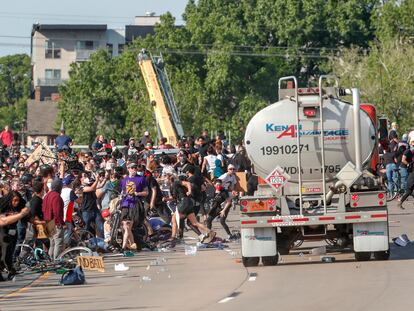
(146, 139)
(52, 208)
(229, 182)
(134, 189)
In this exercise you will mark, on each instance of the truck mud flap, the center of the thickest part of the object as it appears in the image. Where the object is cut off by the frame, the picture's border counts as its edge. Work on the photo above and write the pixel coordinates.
(371, 237)
(258, 242)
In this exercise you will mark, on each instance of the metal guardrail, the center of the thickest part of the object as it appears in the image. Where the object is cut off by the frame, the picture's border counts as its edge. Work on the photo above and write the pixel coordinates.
(50, 82)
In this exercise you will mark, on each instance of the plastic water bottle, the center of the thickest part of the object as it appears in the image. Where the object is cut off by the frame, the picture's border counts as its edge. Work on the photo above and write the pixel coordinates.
(190, 250)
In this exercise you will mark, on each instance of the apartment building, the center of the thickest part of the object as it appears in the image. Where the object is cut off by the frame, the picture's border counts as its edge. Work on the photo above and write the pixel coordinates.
(54, 47)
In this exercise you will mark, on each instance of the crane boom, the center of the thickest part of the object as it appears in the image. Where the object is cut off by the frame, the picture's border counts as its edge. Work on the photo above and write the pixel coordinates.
(166, 114)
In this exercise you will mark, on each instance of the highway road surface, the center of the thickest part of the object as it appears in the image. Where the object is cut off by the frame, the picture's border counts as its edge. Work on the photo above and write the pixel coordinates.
(215, 279)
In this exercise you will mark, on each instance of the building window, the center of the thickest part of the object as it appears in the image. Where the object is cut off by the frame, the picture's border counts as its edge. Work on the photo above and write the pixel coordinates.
(120, 48)
(84, 45)
(110, 48)
(52, 74)
(52, 50)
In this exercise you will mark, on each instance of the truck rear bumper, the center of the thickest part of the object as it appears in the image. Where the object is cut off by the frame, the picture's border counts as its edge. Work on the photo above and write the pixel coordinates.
(301, 220)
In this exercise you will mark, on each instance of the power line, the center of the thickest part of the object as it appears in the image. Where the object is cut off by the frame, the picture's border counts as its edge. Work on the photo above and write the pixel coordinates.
(258, 47)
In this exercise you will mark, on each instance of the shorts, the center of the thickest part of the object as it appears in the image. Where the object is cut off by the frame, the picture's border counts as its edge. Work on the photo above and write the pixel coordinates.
(186, 206)
(131, 214)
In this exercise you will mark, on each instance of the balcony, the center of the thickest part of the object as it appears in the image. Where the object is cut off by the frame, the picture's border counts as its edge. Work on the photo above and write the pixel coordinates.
(83, 55)
(50, 82)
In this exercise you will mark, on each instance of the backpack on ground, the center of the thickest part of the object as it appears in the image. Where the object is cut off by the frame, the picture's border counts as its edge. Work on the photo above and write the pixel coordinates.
(73, 277)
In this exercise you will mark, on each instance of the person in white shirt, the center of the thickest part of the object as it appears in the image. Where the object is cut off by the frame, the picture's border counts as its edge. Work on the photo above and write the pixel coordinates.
(209, 162)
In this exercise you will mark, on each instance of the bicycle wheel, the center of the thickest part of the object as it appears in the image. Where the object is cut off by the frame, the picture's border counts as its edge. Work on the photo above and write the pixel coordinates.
(69, 255)
(80, 237)
(26, 258)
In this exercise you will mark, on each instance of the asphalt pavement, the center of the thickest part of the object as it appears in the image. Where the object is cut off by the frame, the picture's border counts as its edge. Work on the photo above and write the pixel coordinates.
(215, 279)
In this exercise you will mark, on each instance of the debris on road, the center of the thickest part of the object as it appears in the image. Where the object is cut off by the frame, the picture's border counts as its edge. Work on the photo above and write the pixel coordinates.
(121, 267)
(328, 259)
(402, 240)
(190, 250)
(318, 251)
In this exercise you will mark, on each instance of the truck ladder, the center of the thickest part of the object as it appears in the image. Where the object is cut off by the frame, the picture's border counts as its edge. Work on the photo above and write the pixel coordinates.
(166, 114)
(162, 75)
(321, 137)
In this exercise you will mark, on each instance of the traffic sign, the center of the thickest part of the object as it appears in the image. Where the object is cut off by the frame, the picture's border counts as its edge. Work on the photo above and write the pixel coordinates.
(277, 178)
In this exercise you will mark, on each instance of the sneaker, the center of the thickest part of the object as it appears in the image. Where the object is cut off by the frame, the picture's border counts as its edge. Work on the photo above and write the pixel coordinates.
(121, 267)
(202, 237)
(232, 237)
(211, 235)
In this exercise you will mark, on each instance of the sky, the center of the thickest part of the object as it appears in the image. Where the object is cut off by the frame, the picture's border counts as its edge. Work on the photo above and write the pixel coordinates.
(18, 16)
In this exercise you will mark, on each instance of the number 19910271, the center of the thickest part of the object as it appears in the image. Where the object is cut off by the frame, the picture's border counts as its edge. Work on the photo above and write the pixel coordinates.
(283, 149)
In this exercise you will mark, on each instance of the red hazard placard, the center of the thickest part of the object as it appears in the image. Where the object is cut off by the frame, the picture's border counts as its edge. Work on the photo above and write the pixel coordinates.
(277, 178)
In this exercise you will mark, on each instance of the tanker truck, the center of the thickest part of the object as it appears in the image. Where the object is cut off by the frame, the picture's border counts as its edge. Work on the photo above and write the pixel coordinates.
(316, 155)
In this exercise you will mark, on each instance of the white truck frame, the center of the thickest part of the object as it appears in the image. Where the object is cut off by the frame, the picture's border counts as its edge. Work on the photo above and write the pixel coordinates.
(357, 218)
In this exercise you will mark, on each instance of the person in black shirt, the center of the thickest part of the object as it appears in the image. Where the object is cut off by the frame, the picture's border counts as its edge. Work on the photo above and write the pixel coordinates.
(408, 157)
(10, 204)
(181, 193)
(390, 166)
(39, 225)
(89, 207)
(220, 197)
(405, 165)
(154, 197)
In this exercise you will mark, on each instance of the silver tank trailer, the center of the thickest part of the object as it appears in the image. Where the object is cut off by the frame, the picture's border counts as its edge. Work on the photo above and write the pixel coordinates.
(270, 139)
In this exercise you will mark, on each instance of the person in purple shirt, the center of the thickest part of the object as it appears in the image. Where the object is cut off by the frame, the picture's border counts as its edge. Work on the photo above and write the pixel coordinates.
(134, 189)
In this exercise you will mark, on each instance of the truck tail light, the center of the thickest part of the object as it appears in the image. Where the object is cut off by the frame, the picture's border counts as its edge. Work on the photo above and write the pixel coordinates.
(354, 199)
(381, 195)
(309, 111)
(271, 204)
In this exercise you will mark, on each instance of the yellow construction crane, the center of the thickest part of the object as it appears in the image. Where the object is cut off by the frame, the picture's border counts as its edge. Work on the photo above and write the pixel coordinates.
(161, 97)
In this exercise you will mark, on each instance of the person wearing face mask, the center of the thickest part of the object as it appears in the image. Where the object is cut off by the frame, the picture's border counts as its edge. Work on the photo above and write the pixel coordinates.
(408, 162)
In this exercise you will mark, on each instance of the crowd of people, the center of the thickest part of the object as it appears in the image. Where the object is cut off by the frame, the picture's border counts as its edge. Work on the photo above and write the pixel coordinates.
(398, 160)
(43, 198)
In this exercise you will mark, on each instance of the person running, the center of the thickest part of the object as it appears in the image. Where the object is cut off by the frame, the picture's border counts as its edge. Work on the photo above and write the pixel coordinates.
(181, 193)
(134, 189)
(229, 182)
(220, 197)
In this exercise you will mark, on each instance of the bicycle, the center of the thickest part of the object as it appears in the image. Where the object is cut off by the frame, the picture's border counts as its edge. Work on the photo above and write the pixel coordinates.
(397, 191)
(37, 260)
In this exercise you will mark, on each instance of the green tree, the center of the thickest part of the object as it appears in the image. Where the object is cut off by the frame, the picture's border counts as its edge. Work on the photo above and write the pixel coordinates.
(14, 89)
(394, 20)
(385, 77)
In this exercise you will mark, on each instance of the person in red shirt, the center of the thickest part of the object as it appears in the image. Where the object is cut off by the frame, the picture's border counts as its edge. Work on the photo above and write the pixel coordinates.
(6, 136)
(53, 215)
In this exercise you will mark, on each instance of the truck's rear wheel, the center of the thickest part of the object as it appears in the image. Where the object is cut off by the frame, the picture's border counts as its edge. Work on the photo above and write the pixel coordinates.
(385, 255)
(362, 256)
(250, 261)
(270, 260)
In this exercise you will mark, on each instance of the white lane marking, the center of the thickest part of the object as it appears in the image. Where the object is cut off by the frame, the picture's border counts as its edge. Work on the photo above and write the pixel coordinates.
(252, 278)
(226, 299)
